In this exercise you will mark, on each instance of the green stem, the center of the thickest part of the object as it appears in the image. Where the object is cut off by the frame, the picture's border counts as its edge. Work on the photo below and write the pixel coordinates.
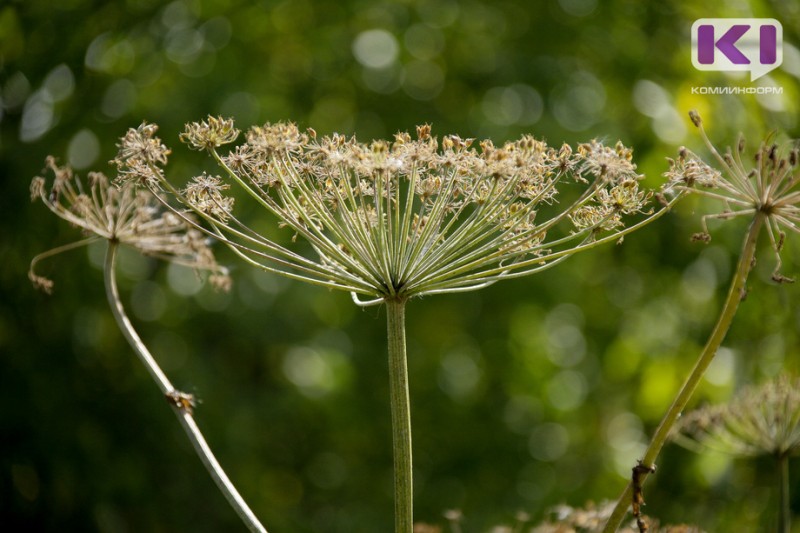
(785, 517)
(183, 413)
(735, 295)
(401, 417)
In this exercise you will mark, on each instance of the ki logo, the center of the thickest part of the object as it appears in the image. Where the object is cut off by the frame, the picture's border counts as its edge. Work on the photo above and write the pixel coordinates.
(746, 44)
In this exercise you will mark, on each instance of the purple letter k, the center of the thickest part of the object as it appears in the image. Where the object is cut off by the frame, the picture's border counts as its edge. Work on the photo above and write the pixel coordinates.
(726, 44)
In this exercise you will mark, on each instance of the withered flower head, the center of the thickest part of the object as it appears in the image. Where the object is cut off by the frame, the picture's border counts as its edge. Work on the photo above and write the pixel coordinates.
(209, 134)
(415, 216)
(141, 156)
(768, 185)
(205, 194)
(763, 420)
(126, 214)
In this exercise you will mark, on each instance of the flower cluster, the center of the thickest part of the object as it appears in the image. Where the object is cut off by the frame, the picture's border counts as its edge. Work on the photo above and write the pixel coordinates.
(210, 134)
(759, 421)
(415, 215)
(141, 156)
(205, 194)
(124, 214)
(768, 186)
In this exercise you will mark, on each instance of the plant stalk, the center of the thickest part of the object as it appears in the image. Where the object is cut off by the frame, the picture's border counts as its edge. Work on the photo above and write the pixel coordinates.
(785, 517)
(736, 293)
(183, 412)
(401, 417)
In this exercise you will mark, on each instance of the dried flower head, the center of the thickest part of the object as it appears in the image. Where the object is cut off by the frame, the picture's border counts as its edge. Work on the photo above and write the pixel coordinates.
(124, 214)
(769, 186)
(141, 155)
(210, 134)
(762, 420)
(205, 193)
(415, 216)
(614, 164)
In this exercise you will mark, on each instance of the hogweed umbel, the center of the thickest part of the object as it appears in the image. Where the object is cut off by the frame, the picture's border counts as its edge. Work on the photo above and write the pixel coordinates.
(768, 194)
(125, 215)
(762, 420)
(132, 216)
(412, 217)
(388, 221)
(769, 187)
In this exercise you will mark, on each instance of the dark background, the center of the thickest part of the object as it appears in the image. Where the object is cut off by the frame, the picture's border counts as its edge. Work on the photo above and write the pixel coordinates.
(525, 395)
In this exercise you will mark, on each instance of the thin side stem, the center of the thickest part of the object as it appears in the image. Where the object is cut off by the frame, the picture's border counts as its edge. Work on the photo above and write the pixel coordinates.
(785, 517)
(736, 293)
(401, 417)
(182, 411)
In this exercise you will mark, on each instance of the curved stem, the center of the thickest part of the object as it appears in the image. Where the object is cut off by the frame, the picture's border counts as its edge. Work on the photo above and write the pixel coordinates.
(401, 417)
(181, 408)
(736, 293)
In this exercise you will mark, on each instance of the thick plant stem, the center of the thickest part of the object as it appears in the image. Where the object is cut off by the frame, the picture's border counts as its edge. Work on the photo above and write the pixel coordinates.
(401, 417)
(785, 517)
(182, 411)
(736, 293)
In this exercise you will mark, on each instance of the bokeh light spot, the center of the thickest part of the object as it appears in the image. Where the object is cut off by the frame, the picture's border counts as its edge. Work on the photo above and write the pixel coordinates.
(459, 375)
(548, 442)
(119, 98)
(567, 390)
(314, 373)
(148, 301)
(578, 8)
(59, 83)
(423, 80)
(375, 48)
(578, 104)
(722, 368)
(183, 280)
(242, 106)
(37, 117)
(83, 149)
(423, 42)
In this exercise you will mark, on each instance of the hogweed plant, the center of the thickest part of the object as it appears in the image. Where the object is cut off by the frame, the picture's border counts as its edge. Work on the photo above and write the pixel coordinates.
(759, 421)
(391, 221)
(766, 192)
(127, 216)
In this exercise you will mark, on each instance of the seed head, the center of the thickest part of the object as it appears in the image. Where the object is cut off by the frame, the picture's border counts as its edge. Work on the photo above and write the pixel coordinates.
(124, 214)
(769, 186)
(205, 195)
(141, 156)
(414, 216)
(209, 134)
(763, 420)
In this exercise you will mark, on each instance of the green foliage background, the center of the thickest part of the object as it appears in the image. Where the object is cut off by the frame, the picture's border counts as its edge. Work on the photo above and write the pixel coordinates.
(525, 395)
